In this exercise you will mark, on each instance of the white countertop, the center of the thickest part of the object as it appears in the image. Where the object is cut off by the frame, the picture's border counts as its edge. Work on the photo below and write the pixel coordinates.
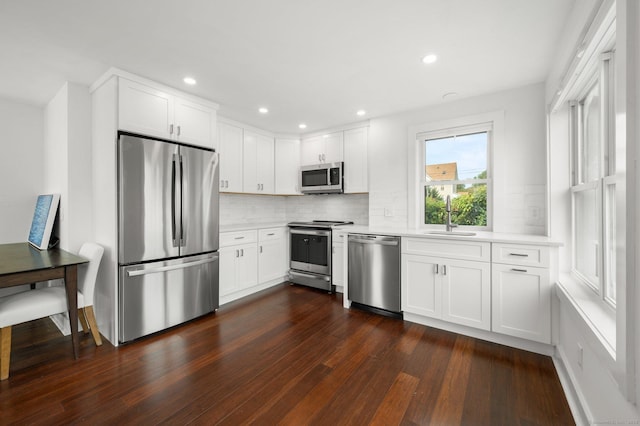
(492, 237)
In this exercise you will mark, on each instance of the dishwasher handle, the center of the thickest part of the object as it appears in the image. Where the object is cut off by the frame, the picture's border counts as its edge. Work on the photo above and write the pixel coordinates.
(374, 239)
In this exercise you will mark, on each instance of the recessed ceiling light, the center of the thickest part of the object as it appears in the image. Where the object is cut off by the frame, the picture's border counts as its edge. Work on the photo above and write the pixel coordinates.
(189, 80)
(430, 58)
(361, 112)
(263, 110)
(302, 126)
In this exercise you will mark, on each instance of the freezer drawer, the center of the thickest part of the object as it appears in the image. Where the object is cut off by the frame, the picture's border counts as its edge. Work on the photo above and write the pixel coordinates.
(159, 295)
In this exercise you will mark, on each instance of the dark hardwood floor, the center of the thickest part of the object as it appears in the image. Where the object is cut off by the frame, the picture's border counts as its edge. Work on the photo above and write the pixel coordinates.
(289, 355)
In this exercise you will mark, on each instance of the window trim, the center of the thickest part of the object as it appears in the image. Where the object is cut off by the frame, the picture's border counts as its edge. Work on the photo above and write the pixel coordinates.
(603, 75)
(422, 139)
(495, 158)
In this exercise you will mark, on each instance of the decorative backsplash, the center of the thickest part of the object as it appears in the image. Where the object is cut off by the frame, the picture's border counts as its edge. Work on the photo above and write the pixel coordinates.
(241, 208)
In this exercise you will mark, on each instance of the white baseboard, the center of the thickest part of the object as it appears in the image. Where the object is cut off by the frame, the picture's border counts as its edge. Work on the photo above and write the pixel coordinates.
(249, 291)
(503, 339)
(574, 396)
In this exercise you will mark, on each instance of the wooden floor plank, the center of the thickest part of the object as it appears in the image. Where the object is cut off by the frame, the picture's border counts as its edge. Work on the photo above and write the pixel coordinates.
(288, 355)
(395, 402)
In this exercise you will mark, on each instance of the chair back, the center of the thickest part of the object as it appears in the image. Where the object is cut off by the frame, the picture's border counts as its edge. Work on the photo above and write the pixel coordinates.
(87, 273)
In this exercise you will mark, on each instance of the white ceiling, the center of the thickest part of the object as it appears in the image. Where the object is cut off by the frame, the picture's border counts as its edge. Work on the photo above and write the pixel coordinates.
(312, 61)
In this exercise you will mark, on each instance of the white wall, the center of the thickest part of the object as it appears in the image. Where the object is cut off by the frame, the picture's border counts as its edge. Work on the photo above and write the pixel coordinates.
(21, 165)
(67, 162)
(519, 169)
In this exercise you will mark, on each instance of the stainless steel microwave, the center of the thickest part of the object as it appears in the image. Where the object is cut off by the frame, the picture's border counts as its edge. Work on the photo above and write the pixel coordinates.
(322, 178)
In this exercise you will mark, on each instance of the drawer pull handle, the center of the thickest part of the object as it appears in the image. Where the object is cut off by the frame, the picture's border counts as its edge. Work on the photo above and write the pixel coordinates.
(239, 238)
(518, 270)
(519, 254)
(271, 234)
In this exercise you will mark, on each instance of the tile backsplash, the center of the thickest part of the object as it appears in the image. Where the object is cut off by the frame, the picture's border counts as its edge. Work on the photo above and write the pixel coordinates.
(241, 208)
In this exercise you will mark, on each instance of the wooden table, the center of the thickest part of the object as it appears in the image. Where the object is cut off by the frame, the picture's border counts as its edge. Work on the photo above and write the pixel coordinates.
(21, 263)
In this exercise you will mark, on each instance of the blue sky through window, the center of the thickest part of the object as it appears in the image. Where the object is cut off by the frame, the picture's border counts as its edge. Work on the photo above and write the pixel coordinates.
(468, 151)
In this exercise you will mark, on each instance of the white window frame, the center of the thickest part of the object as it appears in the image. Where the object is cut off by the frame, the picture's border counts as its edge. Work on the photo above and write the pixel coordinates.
(606, 181)
(423, 138)
(496, 167)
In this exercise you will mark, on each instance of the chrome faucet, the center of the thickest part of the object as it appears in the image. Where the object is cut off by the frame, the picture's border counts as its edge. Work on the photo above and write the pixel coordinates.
(450, 225)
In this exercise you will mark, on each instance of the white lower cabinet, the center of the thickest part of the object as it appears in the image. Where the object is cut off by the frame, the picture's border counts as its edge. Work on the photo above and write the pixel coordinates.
(521, 301)
(458, 291)
(453, 290)
(251, 261)
(272, 254)
(238, 268)
(337, 259)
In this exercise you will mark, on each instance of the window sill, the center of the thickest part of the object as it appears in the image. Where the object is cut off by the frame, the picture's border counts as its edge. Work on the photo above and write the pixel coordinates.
(600, 319)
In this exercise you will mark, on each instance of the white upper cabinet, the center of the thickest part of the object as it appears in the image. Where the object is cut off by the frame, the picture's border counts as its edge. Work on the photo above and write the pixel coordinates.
(287, 167)
(322, 149)
(230, 147)
(355, 160)
(151, 111)
(195, 123)
(258, 160)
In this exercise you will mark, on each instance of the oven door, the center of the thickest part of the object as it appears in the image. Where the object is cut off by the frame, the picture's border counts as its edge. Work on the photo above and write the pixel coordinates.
(311, 250)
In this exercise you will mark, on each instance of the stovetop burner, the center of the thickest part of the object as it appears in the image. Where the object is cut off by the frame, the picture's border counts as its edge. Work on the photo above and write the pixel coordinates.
(320, 223)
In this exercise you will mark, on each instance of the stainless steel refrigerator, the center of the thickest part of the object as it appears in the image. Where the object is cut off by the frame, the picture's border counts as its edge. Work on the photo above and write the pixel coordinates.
(168, 234)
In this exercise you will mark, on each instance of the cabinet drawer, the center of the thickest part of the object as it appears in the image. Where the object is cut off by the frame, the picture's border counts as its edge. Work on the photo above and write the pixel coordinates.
(270, 234)
(517, 254)
(339, 237)
(239, 237)
(463, 250)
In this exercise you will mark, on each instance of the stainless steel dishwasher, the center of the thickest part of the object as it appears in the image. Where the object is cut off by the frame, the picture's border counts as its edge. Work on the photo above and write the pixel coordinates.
(374, 272)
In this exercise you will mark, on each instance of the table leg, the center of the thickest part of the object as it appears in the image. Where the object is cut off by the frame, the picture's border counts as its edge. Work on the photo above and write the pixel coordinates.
(71, 286)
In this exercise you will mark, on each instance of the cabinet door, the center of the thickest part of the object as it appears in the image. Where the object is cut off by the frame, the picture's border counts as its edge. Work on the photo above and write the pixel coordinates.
(421, 286)
(521, 302)
(258, 157)
(271, 260)
(287, 166)
(247, 266)
(355, 160)
(194, 123)
(337, 264)
(249, 161)
(143, 109)
(311, 151)
(230, 141)
(333, 147)
(466, 293)
(228, 281)
(264, 164)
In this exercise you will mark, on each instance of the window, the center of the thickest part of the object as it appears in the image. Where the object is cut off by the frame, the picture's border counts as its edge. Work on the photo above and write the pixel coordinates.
(593, 190)
(456, 165)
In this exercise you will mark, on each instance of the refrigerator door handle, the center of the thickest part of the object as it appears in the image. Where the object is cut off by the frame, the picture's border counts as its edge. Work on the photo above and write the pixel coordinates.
(139, 272)
(173, 201)
(182, 243)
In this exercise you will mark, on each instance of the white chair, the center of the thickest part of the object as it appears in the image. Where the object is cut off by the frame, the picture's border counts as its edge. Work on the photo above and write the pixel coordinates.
(43, 302)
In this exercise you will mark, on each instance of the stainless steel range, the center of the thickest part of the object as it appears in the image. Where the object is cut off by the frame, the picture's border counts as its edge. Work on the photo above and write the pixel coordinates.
(310, 259)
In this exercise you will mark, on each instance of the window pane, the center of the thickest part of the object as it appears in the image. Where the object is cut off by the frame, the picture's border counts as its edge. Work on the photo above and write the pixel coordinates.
(457, 157)
(591, 136)
(610, 241)
(468, 204)
(586, 234)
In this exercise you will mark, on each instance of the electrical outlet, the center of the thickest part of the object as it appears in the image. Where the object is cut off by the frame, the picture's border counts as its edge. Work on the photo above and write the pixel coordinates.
(580, 353)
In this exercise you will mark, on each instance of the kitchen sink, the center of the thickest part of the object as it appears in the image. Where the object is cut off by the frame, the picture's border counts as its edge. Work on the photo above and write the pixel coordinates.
(453, 233)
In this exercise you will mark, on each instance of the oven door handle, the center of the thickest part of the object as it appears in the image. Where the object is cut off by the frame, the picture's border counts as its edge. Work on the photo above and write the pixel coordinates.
(310, 232)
